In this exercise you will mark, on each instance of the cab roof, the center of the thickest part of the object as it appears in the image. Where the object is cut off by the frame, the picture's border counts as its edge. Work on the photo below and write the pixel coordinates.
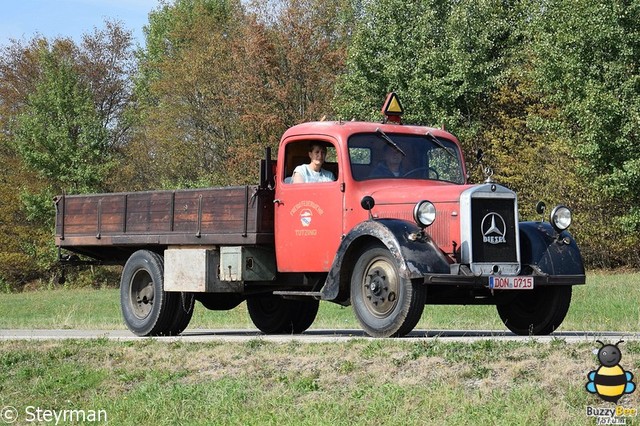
(343, 129)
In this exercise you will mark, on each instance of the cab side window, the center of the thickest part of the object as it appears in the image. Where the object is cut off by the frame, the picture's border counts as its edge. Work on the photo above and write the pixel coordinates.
(306, 159)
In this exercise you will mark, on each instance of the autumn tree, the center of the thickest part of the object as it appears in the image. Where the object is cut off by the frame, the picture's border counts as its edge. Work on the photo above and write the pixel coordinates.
(289, 58)
(307, 42)
(220, 83)
(106, 64)
(63, 121)
(185, 122)
(19, 261)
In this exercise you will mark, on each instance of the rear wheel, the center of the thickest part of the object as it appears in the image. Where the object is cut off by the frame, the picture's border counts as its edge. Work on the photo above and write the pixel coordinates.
(537, 312)
(385, 303)
(184, 304)
(146, 308)
(275, 315)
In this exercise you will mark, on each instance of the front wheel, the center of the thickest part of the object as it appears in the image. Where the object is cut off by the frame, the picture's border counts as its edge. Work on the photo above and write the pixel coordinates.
(385, 304)
(536, 313)
(275, 315)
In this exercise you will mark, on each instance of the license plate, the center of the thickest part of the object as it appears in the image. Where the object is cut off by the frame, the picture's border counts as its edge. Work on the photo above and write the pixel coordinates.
(511, 283)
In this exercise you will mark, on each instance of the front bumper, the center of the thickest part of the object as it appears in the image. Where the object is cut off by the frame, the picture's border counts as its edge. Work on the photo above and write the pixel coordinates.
(461, 276)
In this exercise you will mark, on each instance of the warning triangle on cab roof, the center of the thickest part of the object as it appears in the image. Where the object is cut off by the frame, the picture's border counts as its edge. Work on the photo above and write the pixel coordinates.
(392, 105)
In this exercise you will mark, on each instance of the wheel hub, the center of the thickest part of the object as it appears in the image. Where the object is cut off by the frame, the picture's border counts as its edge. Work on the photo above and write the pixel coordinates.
(380, 288)
(377, 284)
(146, 295)
(141, 294)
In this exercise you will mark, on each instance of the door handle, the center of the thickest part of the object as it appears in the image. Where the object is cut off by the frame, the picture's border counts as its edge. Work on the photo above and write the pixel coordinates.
(277, 201)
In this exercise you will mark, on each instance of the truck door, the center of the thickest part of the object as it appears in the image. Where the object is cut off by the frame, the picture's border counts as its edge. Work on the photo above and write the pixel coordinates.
(308, 216)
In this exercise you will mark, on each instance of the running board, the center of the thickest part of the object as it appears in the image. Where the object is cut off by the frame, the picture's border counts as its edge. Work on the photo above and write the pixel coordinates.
(298, 293)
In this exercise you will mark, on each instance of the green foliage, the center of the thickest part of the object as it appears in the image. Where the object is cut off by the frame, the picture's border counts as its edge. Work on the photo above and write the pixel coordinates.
(549, 90)
(586, 62)
(63, 120)
(219, 83)
(167, 34)
(60, 138)
(187, 68)
(59, 135)
(443, 58)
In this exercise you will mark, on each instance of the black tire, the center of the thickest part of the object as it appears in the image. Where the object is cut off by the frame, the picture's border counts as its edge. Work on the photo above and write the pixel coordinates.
(275, 315)
(220, 301)
(146, 308)
(184, 305)
(303, 314)
(536, 313)
(385, 304)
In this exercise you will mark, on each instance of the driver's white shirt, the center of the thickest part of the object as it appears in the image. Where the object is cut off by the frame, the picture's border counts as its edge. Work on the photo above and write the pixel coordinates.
(313, 176)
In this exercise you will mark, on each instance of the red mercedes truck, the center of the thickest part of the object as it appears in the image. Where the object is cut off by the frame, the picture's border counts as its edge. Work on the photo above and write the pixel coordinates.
(385, 242)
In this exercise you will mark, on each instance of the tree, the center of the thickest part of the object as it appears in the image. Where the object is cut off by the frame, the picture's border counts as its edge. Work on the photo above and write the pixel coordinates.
(220, 83)
(185, 120)
(62, 122)
(526, 156)
(23, 253)
(305, 44)
(444, 59)
(586, 63)
(105, 63)
(59, 133)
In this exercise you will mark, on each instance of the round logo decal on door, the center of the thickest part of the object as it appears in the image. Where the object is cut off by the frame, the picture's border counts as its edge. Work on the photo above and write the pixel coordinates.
(305, 217)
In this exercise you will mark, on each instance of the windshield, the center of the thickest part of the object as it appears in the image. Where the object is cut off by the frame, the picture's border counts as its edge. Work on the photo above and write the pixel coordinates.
(401, 156)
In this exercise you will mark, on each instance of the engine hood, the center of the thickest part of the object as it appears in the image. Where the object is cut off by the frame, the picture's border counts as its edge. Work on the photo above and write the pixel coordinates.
(411, 193)
(396, 200)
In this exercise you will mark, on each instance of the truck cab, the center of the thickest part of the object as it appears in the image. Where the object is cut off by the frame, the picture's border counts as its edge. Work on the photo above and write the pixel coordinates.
(311, 219)
(401, 220)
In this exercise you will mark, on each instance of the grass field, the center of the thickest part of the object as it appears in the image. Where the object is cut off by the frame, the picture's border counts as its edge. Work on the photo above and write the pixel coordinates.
(362, 381)
(607, 302)
(365, 381)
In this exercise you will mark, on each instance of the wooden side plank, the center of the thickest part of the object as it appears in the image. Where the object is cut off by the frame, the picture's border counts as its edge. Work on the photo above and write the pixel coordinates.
(123, 216)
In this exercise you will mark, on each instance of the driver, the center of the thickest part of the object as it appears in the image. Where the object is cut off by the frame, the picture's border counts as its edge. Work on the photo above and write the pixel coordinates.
(391, 164)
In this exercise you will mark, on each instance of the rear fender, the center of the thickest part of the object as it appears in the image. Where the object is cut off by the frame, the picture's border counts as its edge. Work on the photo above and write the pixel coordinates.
(552, 253)
(415, 259)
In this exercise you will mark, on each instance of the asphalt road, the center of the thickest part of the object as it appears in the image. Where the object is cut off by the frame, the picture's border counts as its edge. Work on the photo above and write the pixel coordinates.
(317, 335)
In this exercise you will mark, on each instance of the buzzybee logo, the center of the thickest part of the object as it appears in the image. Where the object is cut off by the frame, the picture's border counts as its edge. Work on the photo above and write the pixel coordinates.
(610, 381)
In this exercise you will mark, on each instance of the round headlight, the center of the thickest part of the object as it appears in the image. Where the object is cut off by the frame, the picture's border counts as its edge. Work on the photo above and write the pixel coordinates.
(561, 218)
(424, 213)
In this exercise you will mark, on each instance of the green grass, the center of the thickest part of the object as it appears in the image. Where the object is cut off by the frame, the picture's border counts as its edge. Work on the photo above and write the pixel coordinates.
(360, 381)
(606, 302)
(363, 381)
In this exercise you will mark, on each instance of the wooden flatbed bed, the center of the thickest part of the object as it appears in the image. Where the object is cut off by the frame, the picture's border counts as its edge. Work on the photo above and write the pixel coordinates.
(111, 227)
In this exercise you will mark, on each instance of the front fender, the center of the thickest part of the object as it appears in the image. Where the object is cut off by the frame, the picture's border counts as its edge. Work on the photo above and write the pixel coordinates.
(553, 253)
(415, 259)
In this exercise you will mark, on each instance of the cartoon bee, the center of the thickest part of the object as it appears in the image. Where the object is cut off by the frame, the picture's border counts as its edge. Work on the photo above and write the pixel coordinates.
(610, 381)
